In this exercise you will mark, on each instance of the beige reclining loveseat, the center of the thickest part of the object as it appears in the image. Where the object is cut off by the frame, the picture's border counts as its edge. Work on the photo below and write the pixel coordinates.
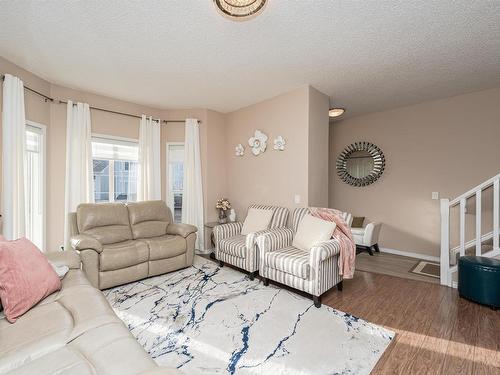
(120, 243)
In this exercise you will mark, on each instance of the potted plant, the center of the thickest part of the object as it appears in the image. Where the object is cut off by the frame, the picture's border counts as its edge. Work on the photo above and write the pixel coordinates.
(223, 205)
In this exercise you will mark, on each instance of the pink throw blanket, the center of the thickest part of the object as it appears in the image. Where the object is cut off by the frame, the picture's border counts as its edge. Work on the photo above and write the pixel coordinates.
(343, 235)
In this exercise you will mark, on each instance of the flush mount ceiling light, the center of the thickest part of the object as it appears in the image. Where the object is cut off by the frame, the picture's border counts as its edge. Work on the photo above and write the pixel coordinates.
(240, 9)
(336, 112)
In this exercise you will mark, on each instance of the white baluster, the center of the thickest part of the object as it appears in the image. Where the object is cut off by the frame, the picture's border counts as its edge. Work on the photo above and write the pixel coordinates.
(478, 222)
(496, 190)
(445, 242)
(462, 227)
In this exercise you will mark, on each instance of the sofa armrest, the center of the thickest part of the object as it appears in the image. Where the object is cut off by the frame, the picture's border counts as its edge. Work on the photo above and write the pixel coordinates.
(162, 371)
(274, 239)
(68, 258)
(183, 230)
(323, 251)
(372, 231)
(84, 242)
(226, 230)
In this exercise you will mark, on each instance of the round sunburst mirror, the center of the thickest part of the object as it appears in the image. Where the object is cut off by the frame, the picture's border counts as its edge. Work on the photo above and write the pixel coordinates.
(240, 9)
(360, 164)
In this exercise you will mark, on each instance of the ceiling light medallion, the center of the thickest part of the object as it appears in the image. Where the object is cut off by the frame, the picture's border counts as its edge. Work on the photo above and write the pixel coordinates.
(336, 112)
(240, 9)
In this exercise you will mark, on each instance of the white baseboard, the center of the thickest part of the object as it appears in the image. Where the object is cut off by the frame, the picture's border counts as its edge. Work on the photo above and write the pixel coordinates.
(410, 254)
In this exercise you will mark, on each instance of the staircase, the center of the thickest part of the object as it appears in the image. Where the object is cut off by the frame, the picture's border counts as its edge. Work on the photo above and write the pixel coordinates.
(483, 244)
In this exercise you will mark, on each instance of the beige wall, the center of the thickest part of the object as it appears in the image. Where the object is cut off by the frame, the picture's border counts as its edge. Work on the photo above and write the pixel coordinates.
(448, 146)
(275, 177)
(318, 150)
(54, 117)
(272, 177)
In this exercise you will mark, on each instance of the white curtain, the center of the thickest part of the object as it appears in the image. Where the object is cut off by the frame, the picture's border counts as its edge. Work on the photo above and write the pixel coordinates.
(149, 178)
(79, 186)
(13, 146)
(192, 197)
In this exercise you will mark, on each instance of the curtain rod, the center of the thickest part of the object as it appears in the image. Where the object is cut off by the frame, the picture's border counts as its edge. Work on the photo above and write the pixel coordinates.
(56, 101)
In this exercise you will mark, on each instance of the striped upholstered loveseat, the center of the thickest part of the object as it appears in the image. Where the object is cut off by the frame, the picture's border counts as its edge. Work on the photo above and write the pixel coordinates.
(313, 272)
(241, 250)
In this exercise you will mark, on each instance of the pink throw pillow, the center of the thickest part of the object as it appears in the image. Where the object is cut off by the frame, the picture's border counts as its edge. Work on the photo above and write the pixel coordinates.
(26, 277)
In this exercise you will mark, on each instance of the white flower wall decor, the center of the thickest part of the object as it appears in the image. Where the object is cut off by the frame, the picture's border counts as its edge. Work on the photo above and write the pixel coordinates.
(258, 142)
(239, 150)
(279, 143)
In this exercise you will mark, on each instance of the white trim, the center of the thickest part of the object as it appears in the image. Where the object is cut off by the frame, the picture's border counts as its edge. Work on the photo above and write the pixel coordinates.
(167, 174)
(410, 254)
(444, 255)
(114, 138)
(470, 244)
(43, 152)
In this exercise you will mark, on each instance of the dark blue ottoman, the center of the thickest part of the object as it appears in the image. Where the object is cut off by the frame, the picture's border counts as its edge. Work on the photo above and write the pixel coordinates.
(479, 280)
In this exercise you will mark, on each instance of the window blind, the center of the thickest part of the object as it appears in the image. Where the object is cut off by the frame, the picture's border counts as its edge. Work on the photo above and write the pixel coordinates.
(111, 149)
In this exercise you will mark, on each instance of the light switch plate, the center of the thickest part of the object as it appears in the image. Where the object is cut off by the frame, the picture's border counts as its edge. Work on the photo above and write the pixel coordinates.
(297, 199)
(435, 195)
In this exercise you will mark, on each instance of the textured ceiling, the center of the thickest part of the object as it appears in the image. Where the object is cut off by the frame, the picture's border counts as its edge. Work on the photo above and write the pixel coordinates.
(366, 55)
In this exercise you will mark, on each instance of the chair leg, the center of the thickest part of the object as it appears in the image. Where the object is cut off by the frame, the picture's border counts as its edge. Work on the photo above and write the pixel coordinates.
(252, 275)
(266, 281)
(221, 263)
(340, 286)
(370, 251)
(317, 301)
(376, 248)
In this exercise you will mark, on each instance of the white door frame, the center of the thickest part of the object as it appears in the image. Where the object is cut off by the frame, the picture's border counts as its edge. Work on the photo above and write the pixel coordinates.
(43, 152)
(167, 182)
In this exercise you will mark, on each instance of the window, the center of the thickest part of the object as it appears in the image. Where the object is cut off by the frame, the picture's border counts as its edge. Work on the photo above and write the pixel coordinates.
(35, 183)
(114, 163)
(175, 173)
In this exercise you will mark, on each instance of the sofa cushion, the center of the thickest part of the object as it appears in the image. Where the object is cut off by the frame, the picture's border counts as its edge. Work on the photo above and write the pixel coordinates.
(357, 221)
(108, 279)
(26, 277)
(235, 246)
(165, 246)
(257, 219)
(106, 222)
(51, 325)
(112, 349)
(311, 231)
(149, 219)
(123, 254)
(62, 361)
(290, 260)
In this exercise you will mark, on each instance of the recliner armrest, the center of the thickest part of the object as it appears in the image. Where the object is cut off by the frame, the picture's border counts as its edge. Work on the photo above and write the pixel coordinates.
(68, 258)
(84, 242)
(183, 230)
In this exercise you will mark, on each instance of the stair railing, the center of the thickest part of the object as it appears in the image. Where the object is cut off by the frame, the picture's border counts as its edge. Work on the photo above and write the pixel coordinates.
(447, 271)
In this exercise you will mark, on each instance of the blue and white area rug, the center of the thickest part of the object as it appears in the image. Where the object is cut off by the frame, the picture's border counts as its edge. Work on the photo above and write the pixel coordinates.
(211, 320)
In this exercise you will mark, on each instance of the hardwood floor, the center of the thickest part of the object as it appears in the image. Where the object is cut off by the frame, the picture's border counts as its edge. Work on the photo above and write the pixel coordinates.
(437, 332)
(391, 264)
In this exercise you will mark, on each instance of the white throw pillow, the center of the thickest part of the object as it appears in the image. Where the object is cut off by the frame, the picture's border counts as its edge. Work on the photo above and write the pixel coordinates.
(257, 219)
(312, 231)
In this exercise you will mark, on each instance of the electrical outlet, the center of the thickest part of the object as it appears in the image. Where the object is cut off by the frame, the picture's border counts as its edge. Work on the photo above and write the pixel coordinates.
(435, 195)
(297, 199)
